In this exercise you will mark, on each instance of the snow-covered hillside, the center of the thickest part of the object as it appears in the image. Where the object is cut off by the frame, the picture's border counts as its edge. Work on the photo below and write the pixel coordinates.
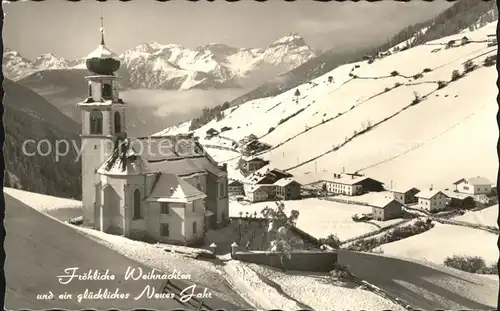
(171, 66)
(400, 118)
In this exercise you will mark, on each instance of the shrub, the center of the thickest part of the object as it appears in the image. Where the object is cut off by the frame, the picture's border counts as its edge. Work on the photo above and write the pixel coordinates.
(469, 66)
(330, 79)
(441, 84)
(455, 75)
(427, 70)
(490, 60)
(395, 234)
(297, 93)
(332, 240)
(472, 264)
(270, 129)
(416, 98)
(387, 89)
(418, 76)
(394, 73)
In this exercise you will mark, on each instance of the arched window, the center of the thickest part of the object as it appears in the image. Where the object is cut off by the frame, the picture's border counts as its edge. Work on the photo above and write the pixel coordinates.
(95, 122)
(118, 122)
(137, 204)
(107, 91)
(195, 228)
(90, 89)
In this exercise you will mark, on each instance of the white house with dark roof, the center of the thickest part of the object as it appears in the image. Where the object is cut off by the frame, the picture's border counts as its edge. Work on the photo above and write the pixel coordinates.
(258, 193)
(405, 195)
(386, 208)
(432, 200)
(165, 188)
(473, 185)
(349, 184)
(287, 189)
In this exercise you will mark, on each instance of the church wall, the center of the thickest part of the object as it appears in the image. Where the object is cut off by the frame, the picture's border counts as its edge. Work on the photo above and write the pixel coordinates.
(136, 227)
(176, 223)
(113, 204)
(196, 215)
(94, 153)
(96, 90)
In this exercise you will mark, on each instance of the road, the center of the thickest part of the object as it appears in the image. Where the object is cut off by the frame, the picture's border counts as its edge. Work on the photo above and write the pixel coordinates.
(421, 286)
(40, 248)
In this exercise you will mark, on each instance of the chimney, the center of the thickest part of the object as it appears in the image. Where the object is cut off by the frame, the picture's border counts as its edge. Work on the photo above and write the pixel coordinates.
(343, 169)
(430, 188)
(171, 190)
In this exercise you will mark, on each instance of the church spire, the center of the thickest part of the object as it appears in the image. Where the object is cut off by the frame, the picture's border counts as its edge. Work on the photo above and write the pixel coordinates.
(102, 30)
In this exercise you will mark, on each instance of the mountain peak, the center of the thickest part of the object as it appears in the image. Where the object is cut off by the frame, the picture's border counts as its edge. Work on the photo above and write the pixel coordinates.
(292, 38)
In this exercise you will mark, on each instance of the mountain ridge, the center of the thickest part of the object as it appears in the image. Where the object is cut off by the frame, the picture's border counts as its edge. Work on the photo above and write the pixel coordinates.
(175, 67)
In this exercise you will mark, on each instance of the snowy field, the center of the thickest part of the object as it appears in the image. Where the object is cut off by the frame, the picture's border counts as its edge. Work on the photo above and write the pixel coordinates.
(202, 272)
(300, 290)
(319, 218)
(445, 241)
(437, 136)
(60, 208)
(486, 217)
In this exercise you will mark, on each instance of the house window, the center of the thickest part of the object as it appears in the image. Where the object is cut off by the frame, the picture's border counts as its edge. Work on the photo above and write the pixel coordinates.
(165, 208)
(107, 91)
(193, 207)
(195, 228)
(137, 204)
(164, 230)
(95, 122)
(466, 188)
(118, 122)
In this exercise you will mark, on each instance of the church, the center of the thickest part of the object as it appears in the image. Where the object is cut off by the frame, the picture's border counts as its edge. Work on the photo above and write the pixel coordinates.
(159, 188)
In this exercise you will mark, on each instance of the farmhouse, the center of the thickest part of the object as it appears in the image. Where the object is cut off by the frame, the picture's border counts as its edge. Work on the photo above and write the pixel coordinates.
(405, 195)
(473, 185)
(287, 189)
(351, 184)
(253, 164)
(267, 175)
(432, 200)
(260, 193)
(386, 208)
(235, 188)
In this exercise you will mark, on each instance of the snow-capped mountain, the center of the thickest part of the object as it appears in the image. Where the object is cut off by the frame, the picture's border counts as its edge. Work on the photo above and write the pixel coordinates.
(171, 66)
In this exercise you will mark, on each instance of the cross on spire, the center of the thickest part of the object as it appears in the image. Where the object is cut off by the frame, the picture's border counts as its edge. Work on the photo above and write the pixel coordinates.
(102, 30)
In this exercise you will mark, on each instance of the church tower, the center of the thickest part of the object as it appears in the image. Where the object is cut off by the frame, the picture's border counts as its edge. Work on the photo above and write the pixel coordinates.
(103, 121)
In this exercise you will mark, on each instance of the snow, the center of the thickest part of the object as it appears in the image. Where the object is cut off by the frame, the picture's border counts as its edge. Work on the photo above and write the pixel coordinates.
(42, 202)
(444, 241)
(319, 292)
(439, 136)
(335, 218)
(203, 273)
(486, 217)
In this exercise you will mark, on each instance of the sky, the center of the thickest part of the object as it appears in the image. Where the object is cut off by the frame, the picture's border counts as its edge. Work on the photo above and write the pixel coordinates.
(71, 30)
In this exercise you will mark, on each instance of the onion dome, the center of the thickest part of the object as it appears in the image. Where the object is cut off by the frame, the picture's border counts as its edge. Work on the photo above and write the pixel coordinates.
(102, 61)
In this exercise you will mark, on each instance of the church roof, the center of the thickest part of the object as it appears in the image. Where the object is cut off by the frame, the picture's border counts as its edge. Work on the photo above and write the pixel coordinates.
(171, 188)
(124, 162)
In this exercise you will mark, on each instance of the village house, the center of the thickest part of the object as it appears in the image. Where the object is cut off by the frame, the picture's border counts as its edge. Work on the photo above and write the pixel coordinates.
(351, 184)
(266, 175)
(473, 185)
(405, 195)
(236, 188)
(260, 193)
(432, 200)
(165, 188)
(386, 208)
(287, 189)
(253, 164)
(459, 200)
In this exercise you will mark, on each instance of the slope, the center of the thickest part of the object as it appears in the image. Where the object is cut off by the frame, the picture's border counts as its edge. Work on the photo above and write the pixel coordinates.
(38, 256)
(454, 19)
(29, 116)
(403, 108)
